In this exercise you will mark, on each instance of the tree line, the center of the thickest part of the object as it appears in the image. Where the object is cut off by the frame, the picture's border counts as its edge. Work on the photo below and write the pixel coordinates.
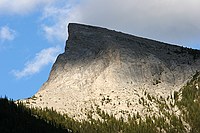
(17, 118)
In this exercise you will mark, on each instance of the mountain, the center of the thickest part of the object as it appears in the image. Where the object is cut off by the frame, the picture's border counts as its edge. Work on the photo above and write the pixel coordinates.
(118, 73)
(16, 118)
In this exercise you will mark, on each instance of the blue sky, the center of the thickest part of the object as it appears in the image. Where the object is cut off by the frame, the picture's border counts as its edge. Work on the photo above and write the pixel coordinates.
(33, 32)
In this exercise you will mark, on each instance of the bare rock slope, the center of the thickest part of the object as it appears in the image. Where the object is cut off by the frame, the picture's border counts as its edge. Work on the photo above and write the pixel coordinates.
(113, 71)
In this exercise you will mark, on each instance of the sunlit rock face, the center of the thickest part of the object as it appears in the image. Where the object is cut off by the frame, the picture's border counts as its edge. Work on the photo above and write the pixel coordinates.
(113, 71)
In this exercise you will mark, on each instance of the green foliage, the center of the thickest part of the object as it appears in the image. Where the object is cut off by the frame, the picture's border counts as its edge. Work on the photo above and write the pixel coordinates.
(19, 119)
(190, 103)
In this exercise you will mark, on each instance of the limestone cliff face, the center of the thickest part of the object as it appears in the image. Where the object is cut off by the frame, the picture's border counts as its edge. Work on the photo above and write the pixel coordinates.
(113, 70)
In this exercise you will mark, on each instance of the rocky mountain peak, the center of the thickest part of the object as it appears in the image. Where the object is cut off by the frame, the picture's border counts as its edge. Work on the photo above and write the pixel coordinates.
(113, 71)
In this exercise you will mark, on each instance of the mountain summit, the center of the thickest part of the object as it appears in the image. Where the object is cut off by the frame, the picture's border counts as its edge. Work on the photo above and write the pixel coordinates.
(113, 71)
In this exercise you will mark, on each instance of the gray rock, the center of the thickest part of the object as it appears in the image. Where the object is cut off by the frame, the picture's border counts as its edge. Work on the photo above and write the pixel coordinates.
(110, 69)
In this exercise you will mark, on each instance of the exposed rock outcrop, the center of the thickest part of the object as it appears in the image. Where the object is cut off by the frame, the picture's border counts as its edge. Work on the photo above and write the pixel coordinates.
(113, 71)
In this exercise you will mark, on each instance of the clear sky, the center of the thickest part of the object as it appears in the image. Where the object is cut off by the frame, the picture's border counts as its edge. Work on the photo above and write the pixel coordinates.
(33, 32)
